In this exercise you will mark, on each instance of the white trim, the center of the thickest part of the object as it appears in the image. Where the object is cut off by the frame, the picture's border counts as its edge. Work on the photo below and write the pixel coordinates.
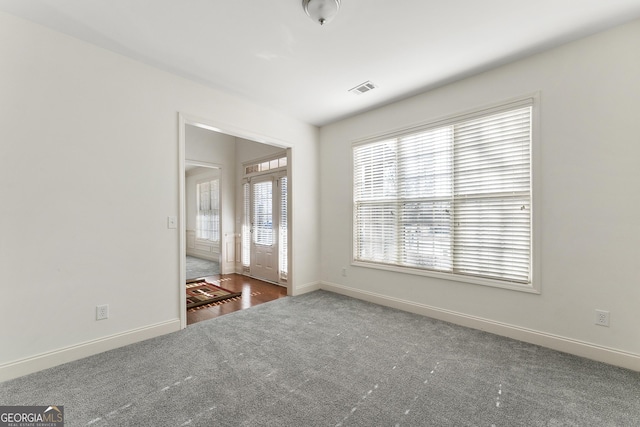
(182, 220)
(203, 164)
(567, 345)
(306, 288)
(449, 276)
(536, 194)
(57, 357)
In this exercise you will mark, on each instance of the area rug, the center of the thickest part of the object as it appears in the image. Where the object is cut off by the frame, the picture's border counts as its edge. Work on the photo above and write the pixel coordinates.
(224, 301)
(201, 292)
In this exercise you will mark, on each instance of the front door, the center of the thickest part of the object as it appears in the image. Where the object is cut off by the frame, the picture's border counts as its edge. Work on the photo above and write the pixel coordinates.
(264, 230)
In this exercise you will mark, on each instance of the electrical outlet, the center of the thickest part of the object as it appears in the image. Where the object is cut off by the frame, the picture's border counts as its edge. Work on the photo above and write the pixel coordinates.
(602, 318)
(344, 271)
(102, 312)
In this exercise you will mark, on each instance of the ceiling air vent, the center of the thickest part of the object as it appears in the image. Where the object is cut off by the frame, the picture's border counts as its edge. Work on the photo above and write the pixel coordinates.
(362, 88)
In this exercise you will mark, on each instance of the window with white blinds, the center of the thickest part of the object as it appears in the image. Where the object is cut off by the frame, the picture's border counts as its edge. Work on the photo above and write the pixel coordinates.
(208, 213)
(246, 226)
(283, 229)
(453, 197)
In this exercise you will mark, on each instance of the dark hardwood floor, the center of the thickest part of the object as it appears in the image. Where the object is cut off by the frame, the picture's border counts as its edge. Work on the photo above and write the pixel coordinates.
(254, 292)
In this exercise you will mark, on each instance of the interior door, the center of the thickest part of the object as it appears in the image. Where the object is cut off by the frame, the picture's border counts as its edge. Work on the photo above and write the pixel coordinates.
(264, 230)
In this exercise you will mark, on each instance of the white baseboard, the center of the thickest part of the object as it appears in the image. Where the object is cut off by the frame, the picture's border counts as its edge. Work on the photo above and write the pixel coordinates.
(53, 358)
(306, 288)
(567, 345)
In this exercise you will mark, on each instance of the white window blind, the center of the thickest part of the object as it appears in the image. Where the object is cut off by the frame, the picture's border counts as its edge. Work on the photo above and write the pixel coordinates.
(283, 256)
(246, 226)
(263, 213)
(208, 214)
(452, 198)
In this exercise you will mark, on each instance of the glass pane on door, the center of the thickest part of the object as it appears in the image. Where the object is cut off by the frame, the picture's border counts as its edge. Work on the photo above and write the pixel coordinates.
(263, 213)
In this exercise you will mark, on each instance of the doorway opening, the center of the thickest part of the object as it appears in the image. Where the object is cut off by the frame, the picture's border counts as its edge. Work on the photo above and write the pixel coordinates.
(218, 228)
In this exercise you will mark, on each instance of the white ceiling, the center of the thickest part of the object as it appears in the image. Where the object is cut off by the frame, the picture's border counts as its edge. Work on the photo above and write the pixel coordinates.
(270, 52)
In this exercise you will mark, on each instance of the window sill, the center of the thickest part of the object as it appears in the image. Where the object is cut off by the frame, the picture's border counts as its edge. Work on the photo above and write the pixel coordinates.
(527, 288)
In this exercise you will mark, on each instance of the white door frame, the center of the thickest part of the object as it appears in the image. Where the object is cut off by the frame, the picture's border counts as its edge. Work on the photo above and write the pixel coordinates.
(183, 121)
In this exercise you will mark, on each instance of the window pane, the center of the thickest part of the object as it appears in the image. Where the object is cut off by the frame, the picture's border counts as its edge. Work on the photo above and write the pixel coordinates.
(376, 232)
(425, 229)
(424, 164)
(375, 171)
(493, 238)
(215, 210)
(493, 153)
(263, 213)
(208, 210)
(246, 227)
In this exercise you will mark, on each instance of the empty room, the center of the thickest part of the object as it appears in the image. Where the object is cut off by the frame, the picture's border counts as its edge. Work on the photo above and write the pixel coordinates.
(417, 213)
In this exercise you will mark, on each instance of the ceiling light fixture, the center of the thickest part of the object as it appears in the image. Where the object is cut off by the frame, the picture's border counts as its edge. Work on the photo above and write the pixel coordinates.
(321, 11)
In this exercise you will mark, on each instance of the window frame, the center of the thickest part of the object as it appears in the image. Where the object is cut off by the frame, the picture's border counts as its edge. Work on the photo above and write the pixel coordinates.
(534, 286)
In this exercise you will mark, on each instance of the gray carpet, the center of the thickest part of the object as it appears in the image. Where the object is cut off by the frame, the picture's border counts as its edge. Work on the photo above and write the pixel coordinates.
(322, 359)
(197, 267)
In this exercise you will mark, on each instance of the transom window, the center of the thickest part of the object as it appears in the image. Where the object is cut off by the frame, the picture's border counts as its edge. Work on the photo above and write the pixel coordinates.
(266, 166)
(452, 197)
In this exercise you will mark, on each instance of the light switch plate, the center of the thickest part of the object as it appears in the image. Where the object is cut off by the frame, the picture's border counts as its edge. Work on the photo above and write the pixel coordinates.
(172, 222)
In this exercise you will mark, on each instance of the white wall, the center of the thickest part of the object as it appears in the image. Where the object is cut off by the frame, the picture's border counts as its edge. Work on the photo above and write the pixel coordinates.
(589, 201)
(89, 227)
(247, 151)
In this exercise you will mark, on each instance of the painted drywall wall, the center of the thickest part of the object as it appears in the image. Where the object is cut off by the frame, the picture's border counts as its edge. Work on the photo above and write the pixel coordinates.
(90, 227)
(247, 151)
(588, 201)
